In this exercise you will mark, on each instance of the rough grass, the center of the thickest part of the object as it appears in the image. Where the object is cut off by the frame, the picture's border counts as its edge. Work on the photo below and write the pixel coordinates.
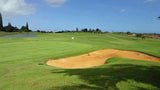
(22, 63)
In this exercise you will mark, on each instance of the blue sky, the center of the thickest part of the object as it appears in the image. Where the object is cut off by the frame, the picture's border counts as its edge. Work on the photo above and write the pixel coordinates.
(108, 15)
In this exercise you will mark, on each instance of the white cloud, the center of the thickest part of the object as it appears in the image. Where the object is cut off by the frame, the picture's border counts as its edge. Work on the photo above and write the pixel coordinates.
(16, 7)
(123, 10)
(55, 3)
(149, 1)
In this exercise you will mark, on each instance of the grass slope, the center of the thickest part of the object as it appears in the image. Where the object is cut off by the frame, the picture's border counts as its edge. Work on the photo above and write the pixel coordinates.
(22, 63)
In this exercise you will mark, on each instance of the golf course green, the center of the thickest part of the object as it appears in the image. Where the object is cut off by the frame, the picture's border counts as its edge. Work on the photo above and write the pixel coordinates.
(23, 62)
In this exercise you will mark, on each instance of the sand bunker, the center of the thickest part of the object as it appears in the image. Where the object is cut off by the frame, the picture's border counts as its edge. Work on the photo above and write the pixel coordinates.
(98, 58)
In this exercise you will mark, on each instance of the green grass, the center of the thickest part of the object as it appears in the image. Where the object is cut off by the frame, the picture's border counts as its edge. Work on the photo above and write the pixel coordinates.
(22, 63)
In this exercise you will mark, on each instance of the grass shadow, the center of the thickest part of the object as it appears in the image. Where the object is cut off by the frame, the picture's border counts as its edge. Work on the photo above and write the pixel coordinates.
(107, 77)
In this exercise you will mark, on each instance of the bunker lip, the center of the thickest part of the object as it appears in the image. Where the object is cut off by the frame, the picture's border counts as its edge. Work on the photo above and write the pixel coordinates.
(98, 58)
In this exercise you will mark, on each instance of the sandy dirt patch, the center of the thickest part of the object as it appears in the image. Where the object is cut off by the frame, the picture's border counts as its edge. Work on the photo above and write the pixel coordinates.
(98, 58)
(11, 76)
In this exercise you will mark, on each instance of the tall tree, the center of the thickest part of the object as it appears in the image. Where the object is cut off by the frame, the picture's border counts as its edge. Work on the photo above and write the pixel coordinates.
(85, 30)
(27, 26)
(9, 24)
(23, 28)
(97, 30)
(77, 30)
(9, 28)
(90, 30)
(1, 21)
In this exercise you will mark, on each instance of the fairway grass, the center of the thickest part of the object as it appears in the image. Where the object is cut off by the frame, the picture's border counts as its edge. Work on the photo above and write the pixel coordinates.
(22, 63)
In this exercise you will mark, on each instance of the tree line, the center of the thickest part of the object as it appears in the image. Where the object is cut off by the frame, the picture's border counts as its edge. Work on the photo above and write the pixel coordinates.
(90, 30)
(11, 28)
(77, 30)
(140, 35)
